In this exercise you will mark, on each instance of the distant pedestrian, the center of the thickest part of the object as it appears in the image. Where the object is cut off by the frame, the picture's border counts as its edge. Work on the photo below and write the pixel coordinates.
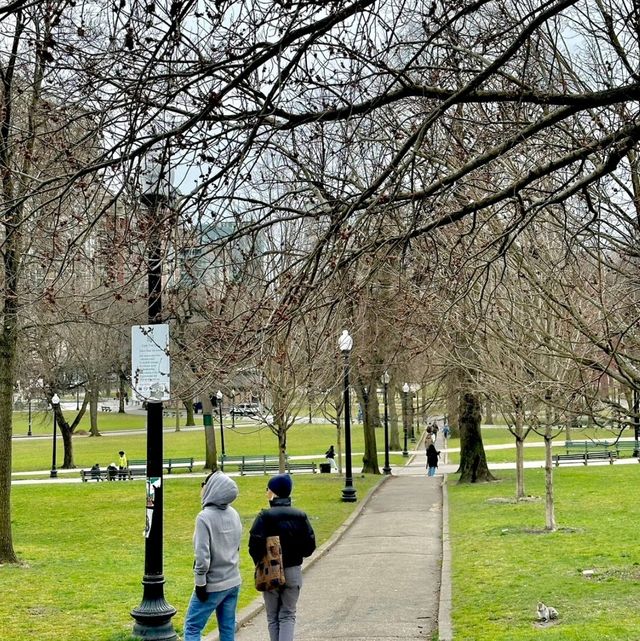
(432, 459)
(330, 455)
(297, 541)
(446, 430)
(216, 544)
(123, 465)
(112, 471)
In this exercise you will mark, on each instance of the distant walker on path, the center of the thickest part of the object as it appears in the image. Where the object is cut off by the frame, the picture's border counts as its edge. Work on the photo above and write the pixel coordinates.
(432, 459)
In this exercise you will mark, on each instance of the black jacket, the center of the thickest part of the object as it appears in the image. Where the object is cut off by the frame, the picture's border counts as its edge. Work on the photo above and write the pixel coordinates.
(297, 538)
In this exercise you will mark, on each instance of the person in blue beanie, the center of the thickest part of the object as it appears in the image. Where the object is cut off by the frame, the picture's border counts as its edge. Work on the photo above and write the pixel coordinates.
(297, 540)
(216, 544)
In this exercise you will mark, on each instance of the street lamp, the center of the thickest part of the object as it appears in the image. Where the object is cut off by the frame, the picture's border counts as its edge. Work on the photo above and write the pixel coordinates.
(385, 380)
(29, 429)
(233, 404)
(405, 399)
(345, 343)
(414, 415)
(55, 401)
(153, 615)
(219, 397)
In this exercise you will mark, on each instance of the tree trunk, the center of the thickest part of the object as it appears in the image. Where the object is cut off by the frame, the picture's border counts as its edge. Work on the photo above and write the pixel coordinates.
(188, 405)
(7, 377)
(282, 449)
(473, 460)
(520, 492)
(122, 390)
(453, 400)
(93, 408)
(367, 401)
(394, 433)
(550, 518)
(211, 453)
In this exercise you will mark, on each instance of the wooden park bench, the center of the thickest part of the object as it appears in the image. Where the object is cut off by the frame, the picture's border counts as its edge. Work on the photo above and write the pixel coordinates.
(169, 464)
(607, 455)
(103, 475)
(627, 446)
(239, 461)
(570, 458)
(273, 467)
(105, 408)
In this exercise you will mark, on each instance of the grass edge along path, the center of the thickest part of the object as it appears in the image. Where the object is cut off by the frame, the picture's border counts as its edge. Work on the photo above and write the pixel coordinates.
(83, 551)
(503, 562)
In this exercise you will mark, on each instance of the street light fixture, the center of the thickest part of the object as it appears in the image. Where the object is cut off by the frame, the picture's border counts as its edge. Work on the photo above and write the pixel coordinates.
(345, 343)
(405, 398)
(219, 397)
(385, 380)
(55, 401)
(414, 415)
(153, 615)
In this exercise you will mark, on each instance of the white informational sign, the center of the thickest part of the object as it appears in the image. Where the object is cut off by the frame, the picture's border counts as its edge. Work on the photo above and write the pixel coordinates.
(150, 368)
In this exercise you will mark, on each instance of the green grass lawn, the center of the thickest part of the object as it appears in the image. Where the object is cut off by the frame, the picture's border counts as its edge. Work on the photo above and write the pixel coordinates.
(303, 439)
(504, 562)
(83, 551)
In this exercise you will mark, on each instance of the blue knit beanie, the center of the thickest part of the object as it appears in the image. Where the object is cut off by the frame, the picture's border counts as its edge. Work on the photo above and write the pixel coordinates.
(281, 485)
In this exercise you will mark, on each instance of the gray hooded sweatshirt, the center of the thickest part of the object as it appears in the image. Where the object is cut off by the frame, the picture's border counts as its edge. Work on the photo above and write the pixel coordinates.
(216, 540)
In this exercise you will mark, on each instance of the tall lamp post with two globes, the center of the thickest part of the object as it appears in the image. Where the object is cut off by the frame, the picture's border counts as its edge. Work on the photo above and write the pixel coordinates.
(385, 381)
(219, 397)
(55, 401)
(405, 416)
(345, 344)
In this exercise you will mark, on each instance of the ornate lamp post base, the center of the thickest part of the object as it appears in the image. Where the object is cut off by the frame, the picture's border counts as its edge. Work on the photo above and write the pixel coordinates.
(349, 495)
(153, 615)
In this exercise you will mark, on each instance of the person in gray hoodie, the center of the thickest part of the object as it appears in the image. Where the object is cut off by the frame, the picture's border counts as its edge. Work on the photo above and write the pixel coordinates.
(216, 544)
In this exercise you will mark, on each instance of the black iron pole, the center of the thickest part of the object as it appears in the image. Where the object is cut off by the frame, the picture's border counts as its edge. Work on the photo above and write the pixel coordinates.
(29, 429)
(153, 615)
(636, 421)
(405, 451)
(387, 468)
(221, 434)
(54, 472)
(348, 491)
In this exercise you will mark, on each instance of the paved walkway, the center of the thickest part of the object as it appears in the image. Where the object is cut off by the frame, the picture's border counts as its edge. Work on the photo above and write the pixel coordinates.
(379, 578)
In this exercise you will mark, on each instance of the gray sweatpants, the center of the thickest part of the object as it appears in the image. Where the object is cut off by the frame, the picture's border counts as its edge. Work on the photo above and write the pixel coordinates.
(280, 605)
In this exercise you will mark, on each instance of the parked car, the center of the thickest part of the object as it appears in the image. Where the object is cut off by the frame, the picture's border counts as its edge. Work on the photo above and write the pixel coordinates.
(246, 409)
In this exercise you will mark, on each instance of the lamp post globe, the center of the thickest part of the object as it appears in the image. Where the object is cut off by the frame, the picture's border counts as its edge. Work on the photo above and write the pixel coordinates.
(405, 399)
(345, 343)
(55, 401)
(219, 397)
(385, 381)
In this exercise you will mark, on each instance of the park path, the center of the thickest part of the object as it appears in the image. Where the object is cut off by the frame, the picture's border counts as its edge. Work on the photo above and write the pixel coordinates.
(379, 578)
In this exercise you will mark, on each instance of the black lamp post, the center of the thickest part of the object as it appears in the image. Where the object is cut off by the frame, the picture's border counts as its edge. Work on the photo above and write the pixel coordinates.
(348, 492)
(405, 427)
(29, 428)
(385, 380)
(153, 615)
(636, 420)
(413, 415)
(55, 401)
(219, 397)
(233, 404)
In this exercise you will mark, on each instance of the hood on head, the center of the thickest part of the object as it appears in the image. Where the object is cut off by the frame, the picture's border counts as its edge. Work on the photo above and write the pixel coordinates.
(220, 490)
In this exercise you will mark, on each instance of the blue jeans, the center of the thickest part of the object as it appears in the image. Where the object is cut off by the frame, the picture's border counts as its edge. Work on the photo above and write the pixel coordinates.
(223, 603)
(431, 471)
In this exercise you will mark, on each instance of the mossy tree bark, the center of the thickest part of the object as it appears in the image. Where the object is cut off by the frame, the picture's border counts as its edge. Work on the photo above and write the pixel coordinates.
(473, 460)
